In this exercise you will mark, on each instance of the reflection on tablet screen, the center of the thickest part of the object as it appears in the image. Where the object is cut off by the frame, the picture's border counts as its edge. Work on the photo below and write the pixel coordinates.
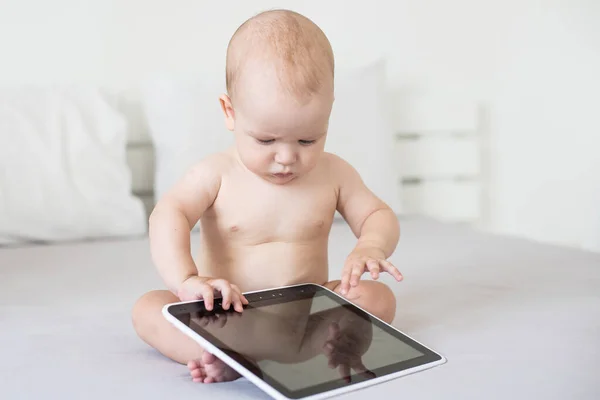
(305, 342)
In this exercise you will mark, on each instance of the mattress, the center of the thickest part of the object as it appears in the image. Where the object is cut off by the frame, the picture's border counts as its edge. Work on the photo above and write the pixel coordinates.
(515, 319)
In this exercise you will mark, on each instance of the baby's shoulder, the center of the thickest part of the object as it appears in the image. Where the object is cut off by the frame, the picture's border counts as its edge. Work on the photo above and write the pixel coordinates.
(332, 159)
(336, 166)
(222, 161)
(341, 174)
(210, 170)
(216, 163)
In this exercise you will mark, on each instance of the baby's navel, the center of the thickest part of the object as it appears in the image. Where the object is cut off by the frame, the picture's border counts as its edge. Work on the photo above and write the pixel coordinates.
(234, 228)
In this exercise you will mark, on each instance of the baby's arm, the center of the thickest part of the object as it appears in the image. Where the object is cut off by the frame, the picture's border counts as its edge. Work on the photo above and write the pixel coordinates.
(373, 222)
(170, 224)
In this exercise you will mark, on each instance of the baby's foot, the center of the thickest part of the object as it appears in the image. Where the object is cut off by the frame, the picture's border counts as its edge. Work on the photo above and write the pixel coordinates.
(210, 369)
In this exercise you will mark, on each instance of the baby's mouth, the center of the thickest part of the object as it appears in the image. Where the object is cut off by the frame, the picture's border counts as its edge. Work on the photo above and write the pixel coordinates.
(283, 175)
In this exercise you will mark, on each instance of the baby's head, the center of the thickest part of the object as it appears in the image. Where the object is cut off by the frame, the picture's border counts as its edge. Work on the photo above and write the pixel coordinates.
(280, 69)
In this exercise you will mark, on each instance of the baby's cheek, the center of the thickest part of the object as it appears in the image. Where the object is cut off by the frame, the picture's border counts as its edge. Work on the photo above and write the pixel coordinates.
(313, 157)
(253, 159)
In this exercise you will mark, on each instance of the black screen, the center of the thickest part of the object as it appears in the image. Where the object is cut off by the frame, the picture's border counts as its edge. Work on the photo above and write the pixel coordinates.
(305, 339)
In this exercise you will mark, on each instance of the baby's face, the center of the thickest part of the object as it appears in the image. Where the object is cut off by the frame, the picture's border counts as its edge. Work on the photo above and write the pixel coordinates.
(278, 138)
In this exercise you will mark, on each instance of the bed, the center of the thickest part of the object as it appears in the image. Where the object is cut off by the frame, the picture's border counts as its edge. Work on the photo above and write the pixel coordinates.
(516, 319)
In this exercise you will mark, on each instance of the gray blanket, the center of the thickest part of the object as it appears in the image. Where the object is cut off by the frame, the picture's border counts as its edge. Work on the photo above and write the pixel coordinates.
(516, 320)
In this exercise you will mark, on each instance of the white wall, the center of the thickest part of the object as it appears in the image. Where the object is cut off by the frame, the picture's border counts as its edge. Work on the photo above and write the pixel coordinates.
(546, 99)
(535, 63)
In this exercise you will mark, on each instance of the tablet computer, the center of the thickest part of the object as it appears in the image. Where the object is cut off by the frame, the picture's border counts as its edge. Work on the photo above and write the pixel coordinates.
(303, 342)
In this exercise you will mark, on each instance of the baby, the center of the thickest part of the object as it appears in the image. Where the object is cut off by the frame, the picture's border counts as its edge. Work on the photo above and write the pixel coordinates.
(266, 205)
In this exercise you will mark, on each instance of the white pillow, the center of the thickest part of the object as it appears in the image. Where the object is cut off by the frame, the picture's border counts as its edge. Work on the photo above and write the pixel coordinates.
(63, 171)
(186, 124)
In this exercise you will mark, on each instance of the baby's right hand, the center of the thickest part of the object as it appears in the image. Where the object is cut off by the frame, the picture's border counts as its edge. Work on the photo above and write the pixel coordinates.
(197, 288)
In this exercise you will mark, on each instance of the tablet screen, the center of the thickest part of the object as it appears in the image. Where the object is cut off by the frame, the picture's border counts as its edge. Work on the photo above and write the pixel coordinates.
(304, 340)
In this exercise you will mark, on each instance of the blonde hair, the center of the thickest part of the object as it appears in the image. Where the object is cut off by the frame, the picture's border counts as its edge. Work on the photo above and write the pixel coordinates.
(297, 48)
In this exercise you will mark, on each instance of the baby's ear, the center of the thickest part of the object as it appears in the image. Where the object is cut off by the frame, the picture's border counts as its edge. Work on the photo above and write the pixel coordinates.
(228, 111)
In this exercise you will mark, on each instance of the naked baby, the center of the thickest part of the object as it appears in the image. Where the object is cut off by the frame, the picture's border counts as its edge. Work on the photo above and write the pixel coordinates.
(266, 205)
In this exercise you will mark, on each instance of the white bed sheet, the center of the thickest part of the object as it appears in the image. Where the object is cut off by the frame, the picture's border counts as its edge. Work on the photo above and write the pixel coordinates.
(516, 320)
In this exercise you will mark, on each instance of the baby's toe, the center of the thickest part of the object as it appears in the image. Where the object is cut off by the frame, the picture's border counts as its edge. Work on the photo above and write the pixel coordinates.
(193, 364)
(197, 373)
(208, 358)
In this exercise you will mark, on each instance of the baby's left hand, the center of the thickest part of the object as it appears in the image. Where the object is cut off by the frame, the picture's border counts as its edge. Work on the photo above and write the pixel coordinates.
(362, 260)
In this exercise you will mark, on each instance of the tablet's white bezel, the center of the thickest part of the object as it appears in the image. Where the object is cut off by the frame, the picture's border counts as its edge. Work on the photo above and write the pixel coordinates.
(271, 390)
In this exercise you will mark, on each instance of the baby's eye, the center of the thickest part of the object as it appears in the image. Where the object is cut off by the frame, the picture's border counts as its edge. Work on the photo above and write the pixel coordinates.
(306, 142)
(265, 141)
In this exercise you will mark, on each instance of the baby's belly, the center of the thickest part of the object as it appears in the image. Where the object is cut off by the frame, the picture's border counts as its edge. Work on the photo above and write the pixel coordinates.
(265, 265)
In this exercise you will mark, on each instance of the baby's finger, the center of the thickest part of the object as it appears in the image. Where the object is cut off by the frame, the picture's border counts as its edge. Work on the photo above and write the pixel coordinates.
(228, 296)
(357, 270)
(328, 348)
(237, 302)
(345, 372)
(373, 267)
(389, 267)
(238, 299)
(237, 289)
(345, 281)
(223, 286)
(331, 362)
(208, 296)
(360, 368)
(334, 331)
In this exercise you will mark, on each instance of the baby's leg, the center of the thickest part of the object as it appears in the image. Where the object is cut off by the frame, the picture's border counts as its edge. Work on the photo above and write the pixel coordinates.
(373, 296)
(154, 329)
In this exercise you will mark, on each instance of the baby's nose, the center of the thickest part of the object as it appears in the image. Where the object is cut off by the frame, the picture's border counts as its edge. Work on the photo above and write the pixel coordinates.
(285, 157)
